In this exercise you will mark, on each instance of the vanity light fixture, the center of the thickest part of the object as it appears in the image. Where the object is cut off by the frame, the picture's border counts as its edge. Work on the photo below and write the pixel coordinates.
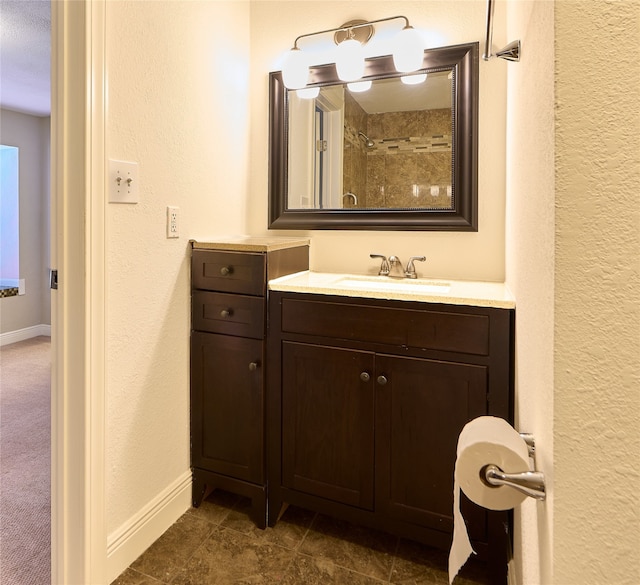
(350, 60)
(350, 38)
(409, 49)
(295, 69)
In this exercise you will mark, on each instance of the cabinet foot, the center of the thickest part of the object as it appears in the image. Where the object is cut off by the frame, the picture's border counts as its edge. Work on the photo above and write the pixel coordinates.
(198, 491)
(204, 482)
(275, 510)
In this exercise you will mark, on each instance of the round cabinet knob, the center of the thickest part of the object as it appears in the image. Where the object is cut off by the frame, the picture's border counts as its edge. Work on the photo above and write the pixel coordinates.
(226, 270)
(382, 380)
(365, 377)
(225, 313)
(253, 366)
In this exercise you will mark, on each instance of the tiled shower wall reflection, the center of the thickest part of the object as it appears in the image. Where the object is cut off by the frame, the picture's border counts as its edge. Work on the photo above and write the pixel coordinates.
(409, 165)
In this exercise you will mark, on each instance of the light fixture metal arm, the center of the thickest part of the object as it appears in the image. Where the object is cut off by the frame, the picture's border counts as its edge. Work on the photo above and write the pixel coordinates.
(348, 28)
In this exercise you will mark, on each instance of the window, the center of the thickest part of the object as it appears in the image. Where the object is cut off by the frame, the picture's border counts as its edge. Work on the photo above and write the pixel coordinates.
(9, 221)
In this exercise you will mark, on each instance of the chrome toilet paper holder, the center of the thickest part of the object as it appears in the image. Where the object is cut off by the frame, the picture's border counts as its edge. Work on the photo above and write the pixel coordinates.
(531, 483)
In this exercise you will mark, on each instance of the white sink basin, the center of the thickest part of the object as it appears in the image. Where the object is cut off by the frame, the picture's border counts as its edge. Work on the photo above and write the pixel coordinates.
(453, 292)
(384, 283)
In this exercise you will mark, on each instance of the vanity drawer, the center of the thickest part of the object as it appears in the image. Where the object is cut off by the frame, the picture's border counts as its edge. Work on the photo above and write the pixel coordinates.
(438, 330)
(236, 272)
(228, 314)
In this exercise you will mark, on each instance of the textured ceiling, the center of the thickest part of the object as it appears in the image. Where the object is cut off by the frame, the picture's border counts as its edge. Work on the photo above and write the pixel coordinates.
(25, 56)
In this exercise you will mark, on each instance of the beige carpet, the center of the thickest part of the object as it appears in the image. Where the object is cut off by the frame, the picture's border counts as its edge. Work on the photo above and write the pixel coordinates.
(25, 456)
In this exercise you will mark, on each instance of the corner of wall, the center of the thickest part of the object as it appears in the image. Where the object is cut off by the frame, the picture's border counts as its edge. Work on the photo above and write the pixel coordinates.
(530, 264)
(129, 541)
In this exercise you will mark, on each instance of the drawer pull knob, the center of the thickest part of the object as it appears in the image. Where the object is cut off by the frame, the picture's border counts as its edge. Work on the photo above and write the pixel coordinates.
(225, 313)
(365, 377)
(226, 270)
(253, 366)
(382, 380)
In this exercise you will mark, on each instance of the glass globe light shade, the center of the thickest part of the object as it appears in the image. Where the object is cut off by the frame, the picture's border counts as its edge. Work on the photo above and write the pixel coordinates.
(414, 79)
(359, 86)
(295, 69)
(350, 60)
(409, 50)
(308, 93)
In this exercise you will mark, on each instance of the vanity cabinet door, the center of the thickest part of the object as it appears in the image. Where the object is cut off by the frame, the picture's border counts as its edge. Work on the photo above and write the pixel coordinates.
(328, 423)
(421, 407)
(227, 415)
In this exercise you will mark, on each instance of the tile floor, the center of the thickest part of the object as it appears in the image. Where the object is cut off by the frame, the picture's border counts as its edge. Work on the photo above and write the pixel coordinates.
(218, 544)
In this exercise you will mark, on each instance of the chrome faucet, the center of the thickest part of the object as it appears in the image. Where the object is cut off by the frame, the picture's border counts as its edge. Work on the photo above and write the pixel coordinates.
(395, 267)
(410, 271)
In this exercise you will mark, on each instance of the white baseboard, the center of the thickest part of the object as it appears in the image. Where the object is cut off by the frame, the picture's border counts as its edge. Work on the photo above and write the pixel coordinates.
(127, 543)
(26, 333)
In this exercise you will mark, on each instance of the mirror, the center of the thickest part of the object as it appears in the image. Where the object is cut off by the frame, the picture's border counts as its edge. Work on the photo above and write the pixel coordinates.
(395, 157)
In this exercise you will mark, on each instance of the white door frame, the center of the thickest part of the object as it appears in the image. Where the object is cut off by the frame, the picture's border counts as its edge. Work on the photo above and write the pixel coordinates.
(78, 534)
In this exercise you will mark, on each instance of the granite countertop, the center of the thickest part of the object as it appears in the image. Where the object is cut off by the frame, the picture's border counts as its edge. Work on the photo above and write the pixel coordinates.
(447, 291)
(249, 243)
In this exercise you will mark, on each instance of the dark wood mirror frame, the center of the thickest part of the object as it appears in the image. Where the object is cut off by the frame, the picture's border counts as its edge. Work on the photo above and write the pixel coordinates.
(463, 61)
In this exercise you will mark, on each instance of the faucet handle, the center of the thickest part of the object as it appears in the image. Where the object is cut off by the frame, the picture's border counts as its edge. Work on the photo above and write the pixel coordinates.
(384, 266)
(410, 272)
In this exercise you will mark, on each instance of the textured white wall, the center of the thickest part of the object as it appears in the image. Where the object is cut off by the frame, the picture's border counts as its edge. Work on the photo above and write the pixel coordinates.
(177, 105)
(597, 294)
(529, 264)
(454, 255)
(31, 135)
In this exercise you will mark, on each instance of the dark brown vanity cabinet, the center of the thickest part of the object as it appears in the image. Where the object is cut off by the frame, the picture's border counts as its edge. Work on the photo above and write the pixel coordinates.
(228, 368)
(366, 402)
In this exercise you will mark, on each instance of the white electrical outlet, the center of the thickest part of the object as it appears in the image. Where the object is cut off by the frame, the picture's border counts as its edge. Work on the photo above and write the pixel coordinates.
(173, 223)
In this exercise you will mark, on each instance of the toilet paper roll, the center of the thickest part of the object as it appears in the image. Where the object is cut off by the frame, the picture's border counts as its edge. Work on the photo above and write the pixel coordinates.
(483, 441)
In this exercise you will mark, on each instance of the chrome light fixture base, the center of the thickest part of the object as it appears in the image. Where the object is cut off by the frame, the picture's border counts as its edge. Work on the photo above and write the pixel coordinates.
(360, 30)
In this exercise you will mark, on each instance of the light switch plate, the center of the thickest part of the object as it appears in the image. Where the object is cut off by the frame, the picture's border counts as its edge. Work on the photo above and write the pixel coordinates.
(123, 182)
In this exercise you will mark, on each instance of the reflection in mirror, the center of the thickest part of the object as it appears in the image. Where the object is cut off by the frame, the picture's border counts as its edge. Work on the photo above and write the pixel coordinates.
(387, 147)
(399, 156)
